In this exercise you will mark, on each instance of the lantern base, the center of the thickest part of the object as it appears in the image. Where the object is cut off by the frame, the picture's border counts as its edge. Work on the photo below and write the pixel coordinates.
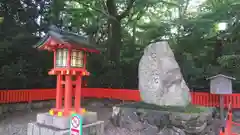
(63, 122)
(96, 128)
(64, 112)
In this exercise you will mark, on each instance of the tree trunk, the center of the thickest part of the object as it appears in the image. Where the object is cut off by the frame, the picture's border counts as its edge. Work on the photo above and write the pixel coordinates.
(115, 42)
(56, 8)
(218, 51)
(114, 33)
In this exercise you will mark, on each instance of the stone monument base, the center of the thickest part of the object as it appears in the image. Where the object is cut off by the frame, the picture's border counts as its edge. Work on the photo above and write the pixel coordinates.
(156, 120)
(47, 124)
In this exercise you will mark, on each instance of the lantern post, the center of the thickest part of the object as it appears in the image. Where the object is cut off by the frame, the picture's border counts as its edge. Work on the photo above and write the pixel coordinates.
(70, 58)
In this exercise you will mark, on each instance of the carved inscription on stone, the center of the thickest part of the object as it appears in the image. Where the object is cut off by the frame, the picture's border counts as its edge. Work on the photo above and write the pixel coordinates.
(160, 78)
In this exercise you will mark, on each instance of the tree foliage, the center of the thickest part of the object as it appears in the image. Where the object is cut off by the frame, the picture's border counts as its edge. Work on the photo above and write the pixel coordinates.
(123, 28)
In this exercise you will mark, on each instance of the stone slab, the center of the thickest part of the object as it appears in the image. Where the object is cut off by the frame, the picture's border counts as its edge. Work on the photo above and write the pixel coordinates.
(35, 128)
(63, 122)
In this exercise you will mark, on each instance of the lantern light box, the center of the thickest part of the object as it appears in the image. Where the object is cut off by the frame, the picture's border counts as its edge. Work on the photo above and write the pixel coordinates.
(61, 57)
(77, 58)
(70, 52)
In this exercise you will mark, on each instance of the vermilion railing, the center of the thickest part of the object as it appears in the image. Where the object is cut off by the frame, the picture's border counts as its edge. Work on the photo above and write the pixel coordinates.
(198, 98)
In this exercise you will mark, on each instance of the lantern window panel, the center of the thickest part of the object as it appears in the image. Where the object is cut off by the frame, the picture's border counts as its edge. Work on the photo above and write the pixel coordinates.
(61, 57)
(77, 58)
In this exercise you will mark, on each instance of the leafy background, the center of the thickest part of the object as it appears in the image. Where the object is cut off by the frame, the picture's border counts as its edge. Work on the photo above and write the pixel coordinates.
(124, 28)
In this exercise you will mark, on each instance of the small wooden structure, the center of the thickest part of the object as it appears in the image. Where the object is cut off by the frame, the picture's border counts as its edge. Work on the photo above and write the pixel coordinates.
(70, 57)
(221, 84)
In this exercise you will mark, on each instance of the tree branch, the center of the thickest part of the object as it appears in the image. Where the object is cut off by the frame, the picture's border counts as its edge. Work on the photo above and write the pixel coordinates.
(186, 7)
(103, 4)
(126, 12)
(138, 17)
(96, 9)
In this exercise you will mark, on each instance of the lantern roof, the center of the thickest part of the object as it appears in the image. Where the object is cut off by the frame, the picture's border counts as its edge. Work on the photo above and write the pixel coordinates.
(222, 76)
(56, 38)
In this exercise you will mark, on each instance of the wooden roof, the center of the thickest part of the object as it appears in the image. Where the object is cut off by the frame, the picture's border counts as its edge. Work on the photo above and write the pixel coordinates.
(221, 75)
(65, 38)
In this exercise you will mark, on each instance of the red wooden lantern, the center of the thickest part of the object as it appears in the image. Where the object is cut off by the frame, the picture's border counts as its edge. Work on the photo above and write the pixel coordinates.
(70, 52)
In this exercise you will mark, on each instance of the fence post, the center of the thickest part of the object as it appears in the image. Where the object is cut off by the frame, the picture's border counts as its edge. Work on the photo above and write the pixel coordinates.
(29, 101)
(221, 107)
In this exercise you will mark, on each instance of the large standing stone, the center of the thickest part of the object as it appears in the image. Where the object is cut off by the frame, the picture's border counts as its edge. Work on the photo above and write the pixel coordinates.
(160, 78)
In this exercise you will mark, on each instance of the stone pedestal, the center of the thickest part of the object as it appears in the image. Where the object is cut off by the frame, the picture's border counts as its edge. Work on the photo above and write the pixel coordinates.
(154, 120)
(54, 125)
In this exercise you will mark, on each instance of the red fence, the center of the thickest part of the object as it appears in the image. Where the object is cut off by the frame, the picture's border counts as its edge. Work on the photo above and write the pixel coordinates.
(198, 98)
(207, 99)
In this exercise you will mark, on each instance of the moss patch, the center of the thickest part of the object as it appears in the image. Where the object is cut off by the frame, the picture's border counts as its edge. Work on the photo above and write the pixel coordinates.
(188, 109)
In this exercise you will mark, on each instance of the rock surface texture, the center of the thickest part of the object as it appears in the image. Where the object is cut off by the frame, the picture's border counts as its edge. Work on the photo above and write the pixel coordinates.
(160, 78)
(152, 122)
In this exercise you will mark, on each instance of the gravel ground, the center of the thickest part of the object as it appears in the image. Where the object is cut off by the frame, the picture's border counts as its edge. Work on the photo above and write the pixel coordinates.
(236, 129)
(16, 123)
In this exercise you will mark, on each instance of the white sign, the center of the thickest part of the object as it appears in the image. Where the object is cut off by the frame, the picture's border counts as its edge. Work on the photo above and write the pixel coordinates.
(76, 125)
